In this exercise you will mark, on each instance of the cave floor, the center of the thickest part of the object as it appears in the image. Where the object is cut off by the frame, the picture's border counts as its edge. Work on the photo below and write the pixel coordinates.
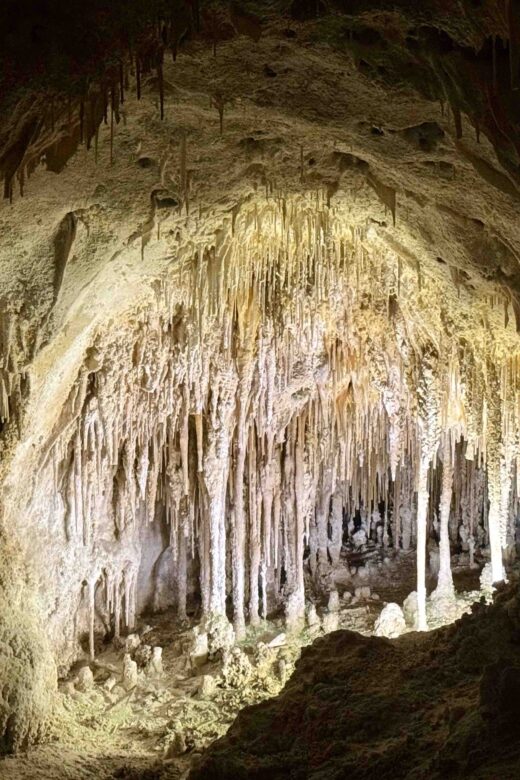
(442, 705)
(160, 727)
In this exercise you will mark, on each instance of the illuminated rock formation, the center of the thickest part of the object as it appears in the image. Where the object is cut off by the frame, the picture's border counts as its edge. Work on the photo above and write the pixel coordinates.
(290, 361)
(267, 319)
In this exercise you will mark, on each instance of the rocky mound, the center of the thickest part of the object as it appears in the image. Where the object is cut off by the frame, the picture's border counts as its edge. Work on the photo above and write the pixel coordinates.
(439, 705)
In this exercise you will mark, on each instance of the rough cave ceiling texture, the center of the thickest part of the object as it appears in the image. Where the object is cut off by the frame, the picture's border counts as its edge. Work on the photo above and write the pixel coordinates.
(292, 264)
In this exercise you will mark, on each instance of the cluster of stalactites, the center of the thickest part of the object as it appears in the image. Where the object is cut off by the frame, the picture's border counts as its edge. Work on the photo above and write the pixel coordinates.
(288, 376)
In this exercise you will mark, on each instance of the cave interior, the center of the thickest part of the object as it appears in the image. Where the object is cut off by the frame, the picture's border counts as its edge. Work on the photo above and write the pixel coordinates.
(259, 389)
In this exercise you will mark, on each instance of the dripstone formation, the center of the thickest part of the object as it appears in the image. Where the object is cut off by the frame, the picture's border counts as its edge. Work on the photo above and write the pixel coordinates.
(259, 345)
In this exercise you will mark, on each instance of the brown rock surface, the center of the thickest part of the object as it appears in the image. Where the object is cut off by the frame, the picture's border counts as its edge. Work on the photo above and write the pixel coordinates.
(438, 706)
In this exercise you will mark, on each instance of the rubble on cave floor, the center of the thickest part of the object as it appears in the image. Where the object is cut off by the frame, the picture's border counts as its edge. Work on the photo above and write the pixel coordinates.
(425, 706)
(155, 700)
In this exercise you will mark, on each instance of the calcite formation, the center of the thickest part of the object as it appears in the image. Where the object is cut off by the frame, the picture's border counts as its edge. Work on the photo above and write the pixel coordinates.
(268, 318)
(292, 366)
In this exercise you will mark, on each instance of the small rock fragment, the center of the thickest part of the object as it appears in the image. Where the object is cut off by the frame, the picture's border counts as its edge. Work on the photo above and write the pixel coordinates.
(198, 653)
(132, 642)
(330, 622)
(410, 609)
(110, 683)
(278, 641)
(143, 655)
(207, 686)
(237, 669)
(85, 679)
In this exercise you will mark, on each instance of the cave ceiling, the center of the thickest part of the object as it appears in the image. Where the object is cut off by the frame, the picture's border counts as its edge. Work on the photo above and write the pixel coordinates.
(398, 117)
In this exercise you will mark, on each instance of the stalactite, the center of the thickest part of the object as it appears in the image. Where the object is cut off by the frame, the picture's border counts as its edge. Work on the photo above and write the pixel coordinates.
(273, 392)
(160, 78)
(218, 101)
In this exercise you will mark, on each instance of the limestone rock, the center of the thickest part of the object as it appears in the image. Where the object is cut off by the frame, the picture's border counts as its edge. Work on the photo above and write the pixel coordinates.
(312, 617)
(237, 669)
(132, 642)
(155, 665)
(68, 689)
(391, 622)
(330, 622)
(278, 641)
(359, 539)
(486, 581)
(177, 742)
(84, 680)
(207, 686)
(142, 655)
(110, 683)
(198, 650)
(220, 634)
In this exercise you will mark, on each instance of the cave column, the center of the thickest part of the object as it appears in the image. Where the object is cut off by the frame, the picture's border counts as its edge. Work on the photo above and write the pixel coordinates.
(255, 504)
(182, 562)
(498, 492)
(238, 538)
(300, 513)
(499, 495)
(336, 521)
(422, 519)
(322, 517)
(294, 525)
(445, 579)
(215, 478)
(495, 471)
(216, 488)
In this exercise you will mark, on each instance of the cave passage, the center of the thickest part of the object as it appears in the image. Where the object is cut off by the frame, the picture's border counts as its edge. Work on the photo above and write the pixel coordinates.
(275, 419)
(259, 368)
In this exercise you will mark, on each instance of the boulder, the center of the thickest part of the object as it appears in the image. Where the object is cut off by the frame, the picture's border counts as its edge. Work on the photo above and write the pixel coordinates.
(391, 622)
(85, 680)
